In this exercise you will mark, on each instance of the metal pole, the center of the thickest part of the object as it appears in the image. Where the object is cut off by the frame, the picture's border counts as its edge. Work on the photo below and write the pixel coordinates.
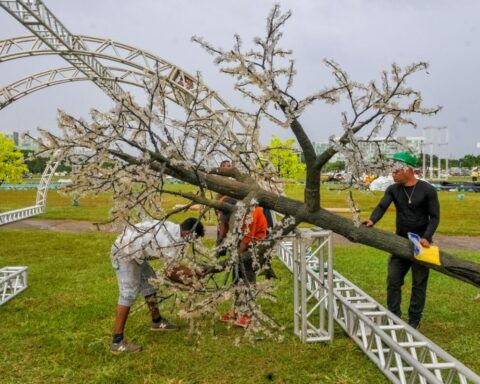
(424, 159)
(323, 291)
(431, 161)
(446, 167)
(330, 287)
(296, 276)
(303, 290)
(439, 166)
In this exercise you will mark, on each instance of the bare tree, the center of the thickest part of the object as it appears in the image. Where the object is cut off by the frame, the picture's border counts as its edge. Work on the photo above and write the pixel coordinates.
(131, 149)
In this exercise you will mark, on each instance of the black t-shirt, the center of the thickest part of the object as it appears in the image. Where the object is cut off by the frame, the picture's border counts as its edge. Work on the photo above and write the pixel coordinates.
(418, 209)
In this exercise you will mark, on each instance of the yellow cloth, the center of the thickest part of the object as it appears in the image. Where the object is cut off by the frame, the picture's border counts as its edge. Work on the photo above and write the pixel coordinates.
(430, 255)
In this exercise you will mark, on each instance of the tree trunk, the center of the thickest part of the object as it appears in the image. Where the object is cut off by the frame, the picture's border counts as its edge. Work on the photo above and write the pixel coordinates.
(464, 270)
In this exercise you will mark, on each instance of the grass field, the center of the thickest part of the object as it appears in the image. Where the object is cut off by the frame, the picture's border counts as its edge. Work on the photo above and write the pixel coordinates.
(58, 330)
(458, 217)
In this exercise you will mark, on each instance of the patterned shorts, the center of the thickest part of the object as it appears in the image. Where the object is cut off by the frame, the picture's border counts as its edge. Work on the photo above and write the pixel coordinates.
(132, 278)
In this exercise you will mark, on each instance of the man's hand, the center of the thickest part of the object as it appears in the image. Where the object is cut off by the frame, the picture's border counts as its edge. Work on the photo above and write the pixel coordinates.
(368, 223)
(425, 243)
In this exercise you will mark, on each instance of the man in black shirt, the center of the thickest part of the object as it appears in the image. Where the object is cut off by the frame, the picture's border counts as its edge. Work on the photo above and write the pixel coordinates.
(418, 211)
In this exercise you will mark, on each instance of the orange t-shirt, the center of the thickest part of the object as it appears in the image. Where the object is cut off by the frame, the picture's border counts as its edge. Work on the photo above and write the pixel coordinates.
(258, 227)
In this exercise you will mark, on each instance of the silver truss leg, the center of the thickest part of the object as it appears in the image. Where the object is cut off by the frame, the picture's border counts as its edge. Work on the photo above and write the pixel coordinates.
(402, 353)
(13, 280)
(313, 286)
(44, 182)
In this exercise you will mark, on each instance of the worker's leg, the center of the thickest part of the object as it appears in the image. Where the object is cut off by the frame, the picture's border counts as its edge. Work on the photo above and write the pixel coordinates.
(419, 292)
(148, 291)
(128, 277)
(397, 269)
(121, 316)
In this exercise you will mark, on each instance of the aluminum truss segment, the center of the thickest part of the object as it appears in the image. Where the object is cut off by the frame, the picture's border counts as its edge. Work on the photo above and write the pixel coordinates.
(313, 286)
(44, 182)
(403, 354)
(41, 80)
(181, 87)
(41, 202)
(38, 19)
(13, 280)
(20, 214)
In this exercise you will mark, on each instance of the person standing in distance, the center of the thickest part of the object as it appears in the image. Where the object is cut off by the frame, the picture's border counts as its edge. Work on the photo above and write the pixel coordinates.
(418, 211)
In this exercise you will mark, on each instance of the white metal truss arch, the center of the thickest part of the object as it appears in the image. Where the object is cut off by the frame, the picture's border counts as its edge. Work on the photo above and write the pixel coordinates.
(50, 36)
(40, 202)
(39, 20)
(100, 48)
(44, 184)
(41, 80)
(182, 87)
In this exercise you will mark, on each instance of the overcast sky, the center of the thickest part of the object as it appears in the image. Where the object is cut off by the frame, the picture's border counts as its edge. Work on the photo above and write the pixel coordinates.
(364, 36)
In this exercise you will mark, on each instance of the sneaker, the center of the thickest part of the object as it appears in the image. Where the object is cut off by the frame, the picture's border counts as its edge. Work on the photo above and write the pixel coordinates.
(124, 347)
(243, 321)
(415, 324)
(163, 325)
(228, 317)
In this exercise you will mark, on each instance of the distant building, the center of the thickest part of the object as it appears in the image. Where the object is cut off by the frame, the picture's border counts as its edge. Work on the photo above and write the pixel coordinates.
(378, 144)
(22, 142)
(321, 147)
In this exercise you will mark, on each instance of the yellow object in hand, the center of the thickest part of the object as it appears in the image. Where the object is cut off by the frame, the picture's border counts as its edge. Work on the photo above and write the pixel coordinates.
(430, 255)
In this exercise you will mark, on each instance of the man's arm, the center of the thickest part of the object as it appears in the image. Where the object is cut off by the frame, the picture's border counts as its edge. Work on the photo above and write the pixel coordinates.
(380, 209)
(433, 213)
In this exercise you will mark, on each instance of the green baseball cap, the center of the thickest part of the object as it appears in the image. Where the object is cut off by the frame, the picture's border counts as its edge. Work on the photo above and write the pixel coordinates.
(404, 157)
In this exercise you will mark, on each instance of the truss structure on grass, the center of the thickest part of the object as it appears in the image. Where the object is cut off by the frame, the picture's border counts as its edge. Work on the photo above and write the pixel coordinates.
(402, 353)
(13, 280)
(313, 322)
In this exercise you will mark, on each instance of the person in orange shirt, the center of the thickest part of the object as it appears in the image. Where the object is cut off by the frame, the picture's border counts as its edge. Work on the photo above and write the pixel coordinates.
(257, 231)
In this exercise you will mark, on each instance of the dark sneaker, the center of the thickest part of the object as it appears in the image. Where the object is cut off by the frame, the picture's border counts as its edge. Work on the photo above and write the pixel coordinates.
(163, 325)
(415, 324)
(124, 347)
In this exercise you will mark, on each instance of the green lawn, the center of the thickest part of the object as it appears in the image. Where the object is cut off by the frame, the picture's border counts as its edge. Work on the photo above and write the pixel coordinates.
(59, 329)
(458, 217)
